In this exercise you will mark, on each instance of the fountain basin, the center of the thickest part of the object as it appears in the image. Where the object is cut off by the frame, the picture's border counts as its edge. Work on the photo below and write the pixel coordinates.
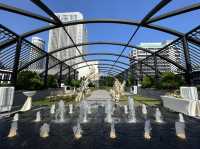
(29, 93)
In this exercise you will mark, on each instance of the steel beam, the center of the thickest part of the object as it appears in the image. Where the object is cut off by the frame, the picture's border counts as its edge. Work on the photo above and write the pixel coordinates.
(25, 13)
(60, 76)
(99, 43)
(46, 9)
(175, 12)
(46, 72)
(16, 61)
(188, 73)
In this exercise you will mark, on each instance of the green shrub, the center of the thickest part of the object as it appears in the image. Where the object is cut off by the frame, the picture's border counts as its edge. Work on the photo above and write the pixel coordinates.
(75, 83)
(52, 81)
(147, 82)
(169, 80)
(91, 84)
(28, 80)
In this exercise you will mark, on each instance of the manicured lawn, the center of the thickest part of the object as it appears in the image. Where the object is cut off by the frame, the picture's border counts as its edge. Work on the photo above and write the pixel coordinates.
(147, 101)
(52, 100)
(141, 100)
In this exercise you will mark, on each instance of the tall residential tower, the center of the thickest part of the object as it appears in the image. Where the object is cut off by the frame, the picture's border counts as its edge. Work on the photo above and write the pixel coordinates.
(59, 39)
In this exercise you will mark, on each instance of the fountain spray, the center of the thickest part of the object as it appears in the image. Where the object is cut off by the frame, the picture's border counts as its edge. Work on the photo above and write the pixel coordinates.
(147, 130)
(13, 129)
(112, 131)
(44, 130)
(158, 116)
(180, 130)
(132, 118)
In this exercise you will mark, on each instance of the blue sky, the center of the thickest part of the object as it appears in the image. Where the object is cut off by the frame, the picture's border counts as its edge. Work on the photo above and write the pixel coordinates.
(113, 9)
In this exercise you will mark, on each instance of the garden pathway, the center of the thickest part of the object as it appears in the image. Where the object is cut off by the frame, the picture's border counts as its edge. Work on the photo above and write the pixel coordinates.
(99, 96)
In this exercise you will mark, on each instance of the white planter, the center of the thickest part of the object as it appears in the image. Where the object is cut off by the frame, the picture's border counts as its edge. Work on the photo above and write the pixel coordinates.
(28, 103)
(188, 107)
(6, 98)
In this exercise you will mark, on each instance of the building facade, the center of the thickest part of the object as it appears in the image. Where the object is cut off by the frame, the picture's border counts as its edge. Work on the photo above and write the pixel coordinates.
(59, 39)
(162, 65)
(85, 71)
(39, 65)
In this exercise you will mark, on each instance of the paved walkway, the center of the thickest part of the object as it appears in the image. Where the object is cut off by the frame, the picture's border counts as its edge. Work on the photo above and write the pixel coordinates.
(99, 95)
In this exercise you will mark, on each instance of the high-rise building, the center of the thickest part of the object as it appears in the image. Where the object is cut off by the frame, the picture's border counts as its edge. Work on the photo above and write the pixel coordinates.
(85, 71)
(39, 65)
(162, 65)
(58, 37)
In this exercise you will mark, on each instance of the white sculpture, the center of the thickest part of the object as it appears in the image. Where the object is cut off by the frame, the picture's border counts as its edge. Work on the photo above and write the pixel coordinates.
(118, 90)
(84, 86)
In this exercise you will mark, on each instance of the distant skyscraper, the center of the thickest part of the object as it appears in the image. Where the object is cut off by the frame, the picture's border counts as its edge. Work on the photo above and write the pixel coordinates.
(39, 65)
(58, 37)
(162, 65)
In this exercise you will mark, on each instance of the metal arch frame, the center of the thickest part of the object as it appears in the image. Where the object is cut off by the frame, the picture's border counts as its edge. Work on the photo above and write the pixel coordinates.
(112, 54)
(99, 66)
(159, 6)
(113, 74)
(75, 69)
(154, 19)
(135, 23)
(46, 19)
(88, 54)
(105, 43)
(125, 22)
(116, 71)
(92, 60)
(143, 23)
(105, 70)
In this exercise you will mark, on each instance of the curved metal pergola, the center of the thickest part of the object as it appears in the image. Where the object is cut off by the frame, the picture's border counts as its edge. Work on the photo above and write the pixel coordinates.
(188, 44)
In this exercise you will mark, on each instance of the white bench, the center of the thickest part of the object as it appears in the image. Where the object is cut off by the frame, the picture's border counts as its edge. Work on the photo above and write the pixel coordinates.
(187, 104)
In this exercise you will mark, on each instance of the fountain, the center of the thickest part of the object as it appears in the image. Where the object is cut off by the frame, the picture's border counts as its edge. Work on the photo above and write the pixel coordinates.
(125, 109)
(158, 116)
(180, 130)
(44, 130)
(108, 111)
(132, 118)
(13, 130)
(83, 111)
(147, 130)
(28, 103)
(16, 117)
(60, 112)
(77, 131)
(38, 117)
(53, 106)
(112, 131)
(181, 118)
(70, 108)
(89, 109)
(144, 109)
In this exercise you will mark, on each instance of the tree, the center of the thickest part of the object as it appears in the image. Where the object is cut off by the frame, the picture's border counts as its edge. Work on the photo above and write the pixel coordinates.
(170, 81)
(52, 81)
(76, 83)
(28, 80)
(147, 82)
(130, 80)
